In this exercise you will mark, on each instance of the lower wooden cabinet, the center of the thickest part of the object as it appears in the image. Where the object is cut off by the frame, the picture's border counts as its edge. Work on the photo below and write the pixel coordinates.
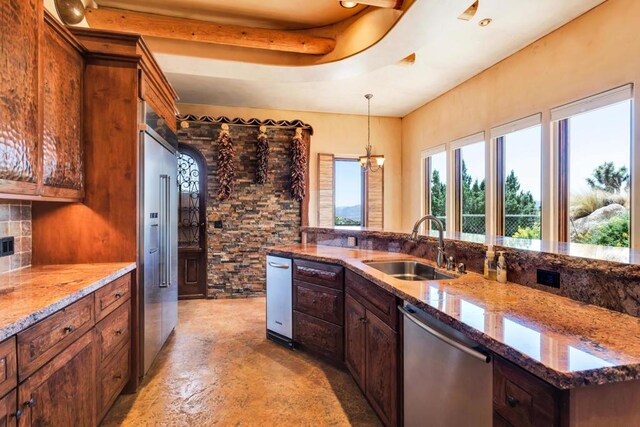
(61, 393)
(371, 350)
(71, 369)
(8, 409)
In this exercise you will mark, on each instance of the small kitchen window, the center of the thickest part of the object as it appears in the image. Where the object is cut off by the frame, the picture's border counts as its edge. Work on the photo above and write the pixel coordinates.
(348, 193)
(470, 183)
(435, 184)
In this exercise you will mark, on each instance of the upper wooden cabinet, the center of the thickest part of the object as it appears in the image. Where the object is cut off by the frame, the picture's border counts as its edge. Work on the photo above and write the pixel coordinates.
(40, 105)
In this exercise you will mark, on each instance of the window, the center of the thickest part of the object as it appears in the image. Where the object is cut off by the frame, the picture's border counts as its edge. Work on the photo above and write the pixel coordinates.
(470, 184)
(594, 140)
(436, 186)
(519, 178)
(348, 193)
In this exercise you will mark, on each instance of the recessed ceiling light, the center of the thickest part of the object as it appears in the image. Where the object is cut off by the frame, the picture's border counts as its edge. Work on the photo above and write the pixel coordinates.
(348, 4)
(485, 22)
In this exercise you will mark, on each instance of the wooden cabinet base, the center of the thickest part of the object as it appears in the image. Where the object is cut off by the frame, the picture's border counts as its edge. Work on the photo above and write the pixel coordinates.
(61, 393)
(111, 380)
(8, 410)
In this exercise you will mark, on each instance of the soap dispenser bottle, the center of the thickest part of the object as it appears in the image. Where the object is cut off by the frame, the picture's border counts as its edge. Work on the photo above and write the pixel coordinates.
(490, 264)
(501, 268)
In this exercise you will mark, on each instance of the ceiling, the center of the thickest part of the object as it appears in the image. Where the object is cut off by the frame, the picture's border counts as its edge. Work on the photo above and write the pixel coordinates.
(273, 14)
(448, 51)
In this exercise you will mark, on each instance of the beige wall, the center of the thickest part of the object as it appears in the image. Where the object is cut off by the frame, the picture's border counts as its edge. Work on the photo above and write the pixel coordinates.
(340, 134)
(598, 51)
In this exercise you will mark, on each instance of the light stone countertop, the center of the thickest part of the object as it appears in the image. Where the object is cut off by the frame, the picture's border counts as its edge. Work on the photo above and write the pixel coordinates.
(30, 294)
(564, 342)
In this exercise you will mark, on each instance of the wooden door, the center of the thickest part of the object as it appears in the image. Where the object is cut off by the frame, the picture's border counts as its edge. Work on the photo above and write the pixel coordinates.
(354, 333)
(192, 235)
(381, 369)
(62, 392)
(8, 410)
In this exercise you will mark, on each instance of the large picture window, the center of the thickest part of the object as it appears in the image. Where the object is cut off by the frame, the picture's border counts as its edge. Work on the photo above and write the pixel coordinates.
(349, 192)
(436, 187)
(594, 139)
(519, 187)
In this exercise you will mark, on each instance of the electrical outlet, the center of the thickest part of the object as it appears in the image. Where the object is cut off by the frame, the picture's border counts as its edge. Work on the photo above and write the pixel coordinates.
(217, 224)
(548, 278)
(352, 241)
(6, 246)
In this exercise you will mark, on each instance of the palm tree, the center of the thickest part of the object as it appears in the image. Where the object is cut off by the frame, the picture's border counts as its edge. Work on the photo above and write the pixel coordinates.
(607, 178)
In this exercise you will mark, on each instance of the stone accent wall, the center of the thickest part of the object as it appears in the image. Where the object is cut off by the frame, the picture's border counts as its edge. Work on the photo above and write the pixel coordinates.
(15, 220)
(254, 217)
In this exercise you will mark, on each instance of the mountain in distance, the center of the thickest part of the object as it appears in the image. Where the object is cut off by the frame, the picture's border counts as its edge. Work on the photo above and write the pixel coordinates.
(349, 212)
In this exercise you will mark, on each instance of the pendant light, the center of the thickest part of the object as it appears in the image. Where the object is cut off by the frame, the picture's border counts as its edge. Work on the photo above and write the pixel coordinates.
(370, 162)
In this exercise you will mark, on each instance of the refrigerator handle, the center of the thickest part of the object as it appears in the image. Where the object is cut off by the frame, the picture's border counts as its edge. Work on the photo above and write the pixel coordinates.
(168, 230)
(164, 226)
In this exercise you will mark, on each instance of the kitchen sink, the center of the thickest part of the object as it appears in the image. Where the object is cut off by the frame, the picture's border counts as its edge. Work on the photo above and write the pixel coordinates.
(409, 270)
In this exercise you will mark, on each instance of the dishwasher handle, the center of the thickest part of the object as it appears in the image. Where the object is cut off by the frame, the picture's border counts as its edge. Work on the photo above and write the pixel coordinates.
(274, 265)
(453, 343)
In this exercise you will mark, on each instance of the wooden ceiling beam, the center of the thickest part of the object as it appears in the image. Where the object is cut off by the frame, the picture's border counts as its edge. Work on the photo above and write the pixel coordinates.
(206, 32)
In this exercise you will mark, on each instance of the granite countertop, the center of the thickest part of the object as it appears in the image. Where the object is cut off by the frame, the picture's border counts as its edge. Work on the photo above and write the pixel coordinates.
(564, 342)
(33, 293)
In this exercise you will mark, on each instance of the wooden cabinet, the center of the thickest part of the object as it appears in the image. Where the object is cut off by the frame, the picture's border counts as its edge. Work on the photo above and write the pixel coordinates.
(40, 107)
(318, 309)
(21, 23)
(9, 414)
(8, 366)
(522, 399)
(62, 150)
(62, 393)
(371, 344)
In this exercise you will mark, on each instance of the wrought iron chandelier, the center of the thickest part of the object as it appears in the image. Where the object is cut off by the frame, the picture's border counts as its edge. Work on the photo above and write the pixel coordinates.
(370, 162)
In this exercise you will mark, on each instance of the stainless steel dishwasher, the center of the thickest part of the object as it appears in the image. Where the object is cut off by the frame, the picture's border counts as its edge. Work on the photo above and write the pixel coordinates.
(447, 379)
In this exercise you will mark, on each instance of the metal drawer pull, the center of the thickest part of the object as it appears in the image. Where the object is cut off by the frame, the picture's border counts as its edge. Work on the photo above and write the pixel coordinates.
(118, 295)
(68, 329)
(274, 265)
(117, 377)
(512, 401)
(118, 332)
(470, 351)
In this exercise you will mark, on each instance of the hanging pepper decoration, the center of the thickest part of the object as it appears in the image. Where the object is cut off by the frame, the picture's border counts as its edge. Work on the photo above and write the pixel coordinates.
(262, 152)
(298, 166)
(226, 170)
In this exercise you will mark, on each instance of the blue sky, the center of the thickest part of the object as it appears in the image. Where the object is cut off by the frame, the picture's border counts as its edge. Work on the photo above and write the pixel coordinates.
(348, 183)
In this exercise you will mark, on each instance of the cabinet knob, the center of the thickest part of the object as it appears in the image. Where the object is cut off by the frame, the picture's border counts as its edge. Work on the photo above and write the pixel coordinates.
(118, 332)
(30, 403)
(18, 414)
(118, 295)
(363, 320)
(68, 329)
(314, 301)
(117, 377)
(512, 401)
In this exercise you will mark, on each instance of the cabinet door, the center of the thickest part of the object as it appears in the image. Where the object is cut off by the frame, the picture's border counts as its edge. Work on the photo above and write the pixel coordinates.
(8, 410)
(62, 392)
(355, 329)
(63, 67)
(20, 22)
(381, 369)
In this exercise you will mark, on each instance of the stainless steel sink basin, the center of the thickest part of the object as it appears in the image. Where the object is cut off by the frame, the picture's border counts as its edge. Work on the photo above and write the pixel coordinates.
(409, 270)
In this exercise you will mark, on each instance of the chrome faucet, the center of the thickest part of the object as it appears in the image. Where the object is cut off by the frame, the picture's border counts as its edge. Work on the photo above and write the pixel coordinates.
(414, 236)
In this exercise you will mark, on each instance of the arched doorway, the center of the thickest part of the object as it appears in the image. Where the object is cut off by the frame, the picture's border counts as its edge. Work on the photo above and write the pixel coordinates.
(192, 230)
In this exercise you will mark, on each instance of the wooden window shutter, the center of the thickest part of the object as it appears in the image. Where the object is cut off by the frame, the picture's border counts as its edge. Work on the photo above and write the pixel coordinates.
(326, 209)
(374, 199)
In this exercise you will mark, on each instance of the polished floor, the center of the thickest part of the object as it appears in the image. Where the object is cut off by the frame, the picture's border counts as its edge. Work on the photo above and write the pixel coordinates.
(218, 369)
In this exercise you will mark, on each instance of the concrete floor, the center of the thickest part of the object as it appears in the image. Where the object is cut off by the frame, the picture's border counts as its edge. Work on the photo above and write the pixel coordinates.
(219, 369)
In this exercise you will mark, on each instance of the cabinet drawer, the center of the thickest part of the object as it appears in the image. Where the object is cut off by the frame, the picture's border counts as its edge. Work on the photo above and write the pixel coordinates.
(112, 296)
(111, 380)
(331, 276)
(113, 332)
(39, 343)
(318, 301)
(318, 336)
(377, 300)
(8, 366)
(523, 399)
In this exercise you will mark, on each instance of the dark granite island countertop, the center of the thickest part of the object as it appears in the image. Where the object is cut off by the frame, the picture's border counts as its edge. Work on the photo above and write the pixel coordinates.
(33, 293)
(564, 342)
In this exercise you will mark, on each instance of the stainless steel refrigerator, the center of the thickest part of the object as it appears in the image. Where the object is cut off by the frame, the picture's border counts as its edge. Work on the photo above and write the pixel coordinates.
(158, 247)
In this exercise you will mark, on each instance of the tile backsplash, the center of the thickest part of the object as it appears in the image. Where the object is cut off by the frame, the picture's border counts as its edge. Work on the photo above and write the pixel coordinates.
(15, 220)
